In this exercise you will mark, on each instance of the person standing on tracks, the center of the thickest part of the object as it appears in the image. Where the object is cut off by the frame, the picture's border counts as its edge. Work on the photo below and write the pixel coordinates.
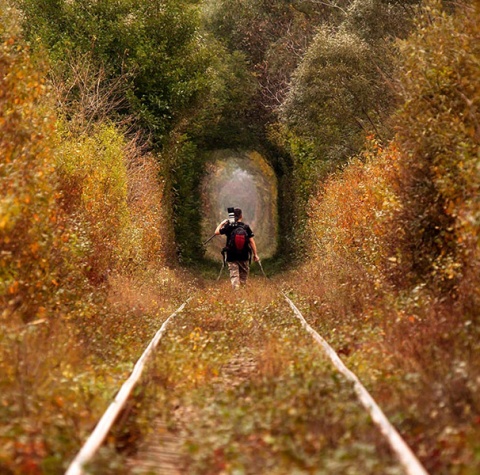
(239, 249)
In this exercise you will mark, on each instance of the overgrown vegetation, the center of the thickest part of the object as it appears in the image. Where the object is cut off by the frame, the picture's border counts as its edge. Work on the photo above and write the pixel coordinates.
(367, 111)
(85, 242)
(394, 238)
(244, 389)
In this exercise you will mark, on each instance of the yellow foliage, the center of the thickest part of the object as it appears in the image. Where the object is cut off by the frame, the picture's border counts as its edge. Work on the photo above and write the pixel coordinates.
(113, 190)
(440, 135)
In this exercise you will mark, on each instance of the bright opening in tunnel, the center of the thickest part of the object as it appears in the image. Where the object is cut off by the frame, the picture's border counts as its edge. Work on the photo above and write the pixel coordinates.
(242, 180)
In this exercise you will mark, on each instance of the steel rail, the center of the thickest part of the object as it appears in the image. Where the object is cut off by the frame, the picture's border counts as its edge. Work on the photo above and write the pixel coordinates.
(406, 457)
(104, 425)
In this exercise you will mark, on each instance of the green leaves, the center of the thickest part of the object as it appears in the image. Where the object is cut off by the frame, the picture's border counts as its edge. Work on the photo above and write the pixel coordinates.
(337, 95)
(152, 45)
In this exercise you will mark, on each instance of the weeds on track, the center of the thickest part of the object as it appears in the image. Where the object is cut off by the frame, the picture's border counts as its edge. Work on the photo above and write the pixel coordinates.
(246, 390)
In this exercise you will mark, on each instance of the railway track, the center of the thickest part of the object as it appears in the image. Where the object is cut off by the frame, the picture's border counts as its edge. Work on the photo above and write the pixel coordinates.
(244, 385)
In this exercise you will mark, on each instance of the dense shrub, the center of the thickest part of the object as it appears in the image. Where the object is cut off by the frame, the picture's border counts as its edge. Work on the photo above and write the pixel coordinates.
(439, 133)
(395, 241)
(153, 46)
(219, 122)
(354, 232)
(429, 173)
(375, 20)
(341, 91)
(39, 276)
(184, 170)
(84, 242)
(333, 94)
(94, 181)
(273, 35)
(406, 216)
(31, 233)
(342, 86)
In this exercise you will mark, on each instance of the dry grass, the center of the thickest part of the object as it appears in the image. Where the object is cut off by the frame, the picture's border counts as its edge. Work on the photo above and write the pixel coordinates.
(272, 359)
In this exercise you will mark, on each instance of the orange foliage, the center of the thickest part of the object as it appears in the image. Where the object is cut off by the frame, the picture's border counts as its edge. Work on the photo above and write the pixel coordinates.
(396, 244)
(353, 218)
(72, 206)
(30, 237)
(440, 134)
(146, 201)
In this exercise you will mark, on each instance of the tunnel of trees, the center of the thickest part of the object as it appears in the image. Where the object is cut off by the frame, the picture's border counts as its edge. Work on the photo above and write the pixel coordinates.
(348, 128)
(301, 82)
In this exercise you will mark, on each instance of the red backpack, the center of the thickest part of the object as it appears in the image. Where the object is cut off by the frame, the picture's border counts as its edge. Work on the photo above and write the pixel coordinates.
(239, 240)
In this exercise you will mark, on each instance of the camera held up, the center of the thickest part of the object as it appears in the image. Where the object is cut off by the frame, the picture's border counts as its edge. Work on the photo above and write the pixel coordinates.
(231, 215)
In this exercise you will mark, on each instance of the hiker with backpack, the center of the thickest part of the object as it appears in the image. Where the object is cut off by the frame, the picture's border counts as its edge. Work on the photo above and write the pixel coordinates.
(239, 249)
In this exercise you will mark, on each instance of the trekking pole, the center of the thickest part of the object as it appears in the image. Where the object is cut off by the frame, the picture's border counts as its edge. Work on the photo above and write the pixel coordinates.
(221, 270)
(224, 258)
(208, 240)
(261, 267)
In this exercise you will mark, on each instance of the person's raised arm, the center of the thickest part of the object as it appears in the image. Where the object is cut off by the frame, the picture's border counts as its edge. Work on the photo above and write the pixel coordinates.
(220, 226)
